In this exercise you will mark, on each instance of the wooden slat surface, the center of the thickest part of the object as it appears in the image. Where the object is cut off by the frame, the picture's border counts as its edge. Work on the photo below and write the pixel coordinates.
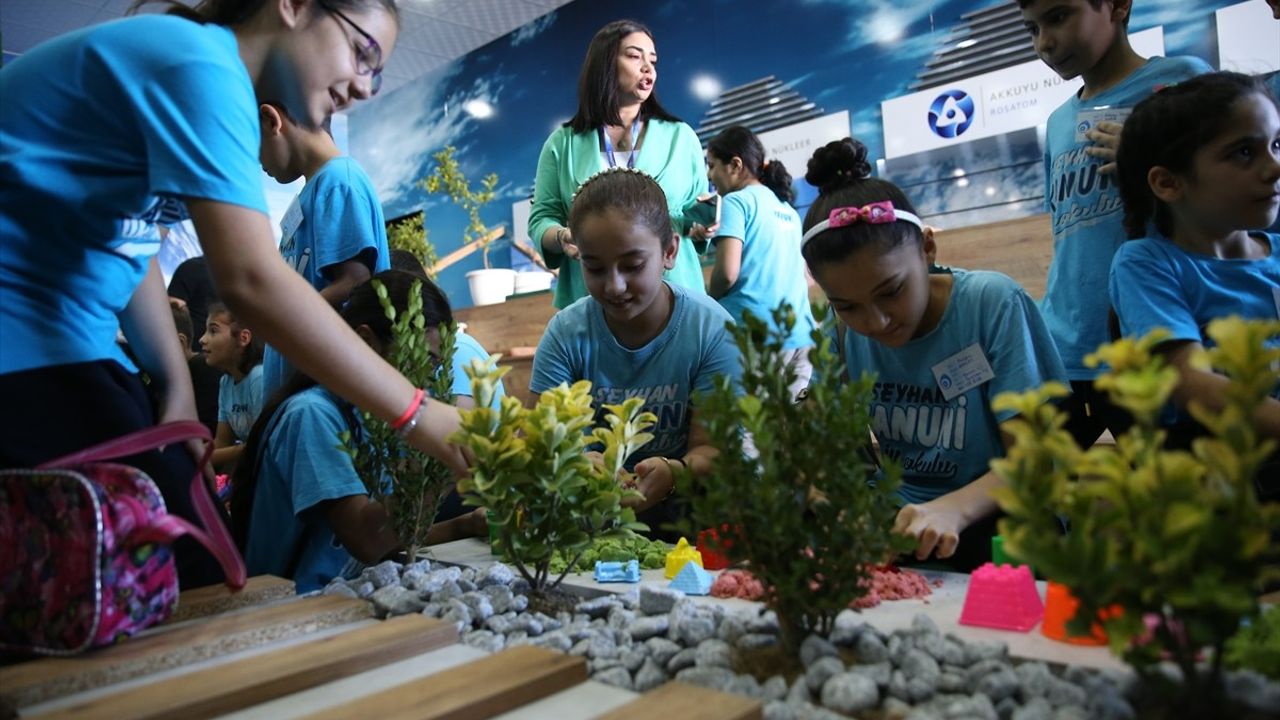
(681, 701)
(216, 599)
(40, 680)
(261, 678)
(480, 689)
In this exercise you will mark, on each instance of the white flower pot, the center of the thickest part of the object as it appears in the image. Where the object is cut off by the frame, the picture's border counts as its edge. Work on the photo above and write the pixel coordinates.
(491, 286)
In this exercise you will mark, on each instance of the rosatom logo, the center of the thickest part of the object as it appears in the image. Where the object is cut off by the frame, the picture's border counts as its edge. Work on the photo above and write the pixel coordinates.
(951, 114)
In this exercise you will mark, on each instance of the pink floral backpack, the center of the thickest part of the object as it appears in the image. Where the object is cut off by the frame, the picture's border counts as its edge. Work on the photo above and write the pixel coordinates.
(87, 546)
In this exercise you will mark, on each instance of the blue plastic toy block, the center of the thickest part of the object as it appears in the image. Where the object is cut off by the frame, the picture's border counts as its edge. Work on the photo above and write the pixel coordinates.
(692, 580)
(625, 572)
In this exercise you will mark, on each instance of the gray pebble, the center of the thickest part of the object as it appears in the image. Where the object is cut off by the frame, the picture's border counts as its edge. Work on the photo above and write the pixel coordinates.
(602, 664)
(682, 660)
(713, 678)
(519, 603)
(898, 686)
(481, 608)
(647, 627)
(649, 676)
(418, 566)
(517, 636)
(999, 685)
(821, 670)
(713, 652)
(579, 648)
(383, 574)
(766, 622)
(814, 648)
(555, 640)
(528, 624)
(1114, 707)
(657, 600)
(949, 682)
(447, 591)
(457, 612)
(696, 628)
(745, 685)
(953, 652)
(880, 672)
(974, 707)
(619, 618)
(778, 710)
(467, 585)
(870, 648)
(1070, 712)
(634, 657)
(500, 597)
(732, 627)
(980, 650)
(775, 688)
(340, 588)
(578, 631)
(850, 692)
(1253, 689)
(1006, 707)
(434, 609)
(496, 575)
(919, 665)
(599, 647)
(981, 669)
(816, 712)
(924, 625)
(847, 627)
(662, 650)
(935, 646)
(1035, 709)
(898, 646)
(395, 599)
(752, 641)
(499, 624)
(599, 607)
(799, 691)
(615, 676)
(485, 640)
(922, 713)
(1034, 679)
(364, 589)
(1063, 693)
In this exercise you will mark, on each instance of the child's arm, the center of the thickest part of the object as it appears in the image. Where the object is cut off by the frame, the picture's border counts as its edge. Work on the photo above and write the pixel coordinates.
(728, 266)
(937, 524)
(270, 297)
(361, 525)
(657, 475)
(1209, 389)
(344, 277)
(225, 450)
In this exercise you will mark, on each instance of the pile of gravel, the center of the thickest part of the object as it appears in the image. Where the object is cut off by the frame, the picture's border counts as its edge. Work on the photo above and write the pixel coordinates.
(640, 640)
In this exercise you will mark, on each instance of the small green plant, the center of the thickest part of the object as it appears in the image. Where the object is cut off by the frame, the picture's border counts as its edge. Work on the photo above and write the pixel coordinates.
(447, 177)
(408, 482)
(532, 472)
(1174, 539)
(1257, 646)
(651, 554)
(410, 235)
(808, 520)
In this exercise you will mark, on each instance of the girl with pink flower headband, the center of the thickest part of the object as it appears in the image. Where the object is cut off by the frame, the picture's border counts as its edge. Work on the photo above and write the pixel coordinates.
(940, 344)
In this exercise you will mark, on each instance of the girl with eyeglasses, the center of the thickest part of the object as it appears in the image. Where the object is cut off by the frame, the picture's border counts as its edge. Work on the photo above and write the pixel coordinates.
(101, 130)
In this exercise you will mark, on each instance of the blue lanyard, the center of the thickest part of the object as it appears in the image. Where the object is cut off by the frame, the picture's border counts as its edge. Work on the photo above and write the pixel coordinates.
(608, 145)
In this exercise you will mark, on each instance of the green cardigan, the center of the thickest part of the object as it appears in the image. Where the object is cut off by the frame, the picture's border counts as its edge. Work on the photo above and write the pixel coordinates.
(669, 151)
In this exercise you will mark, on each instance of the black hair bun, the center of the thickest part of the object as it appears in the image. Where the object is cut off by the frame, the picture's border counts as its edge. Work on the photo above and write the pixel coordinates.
(837, 164)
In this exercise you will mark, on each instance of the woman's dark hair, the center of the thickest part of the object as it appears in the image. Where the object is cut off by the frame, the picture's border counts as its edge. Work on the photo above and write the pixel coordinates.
(1165, 130)
(363, 308)
(252, 356)
(598, 81)
(630, 192)
(230, 12)
(738, 141)
(842, 175)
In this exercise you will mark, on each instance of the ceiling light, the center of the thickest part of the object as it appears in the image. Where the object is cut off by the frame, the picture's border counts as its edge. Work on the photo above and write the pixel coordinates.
(966, 44)
(990, 191)
(705, 87)
(958, 172)
(962, 182)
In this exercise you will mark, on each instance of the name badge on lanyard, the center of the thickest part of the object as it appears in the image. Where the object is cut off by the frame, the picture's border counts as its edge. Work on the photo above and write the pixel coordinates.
(608, 145)
(292, 219)
(962, 372)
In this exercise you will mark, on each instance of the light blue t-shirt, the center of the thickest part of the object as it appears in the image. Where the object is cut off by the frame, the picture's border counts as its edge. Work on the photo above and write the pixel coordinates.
(341, 220)
(1088, 215)
(466, 349)
(301, 467)
(100, 128)
(943, 444)
(240, 402)
(772, 269)
(1155, 283)
(684, 358)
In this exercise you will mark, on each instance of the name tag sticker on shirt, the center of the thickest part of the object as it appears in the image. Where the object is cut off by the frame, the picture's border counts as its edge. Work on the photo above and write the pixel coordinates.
(1088, 118)
(963, 372)
(292, 219)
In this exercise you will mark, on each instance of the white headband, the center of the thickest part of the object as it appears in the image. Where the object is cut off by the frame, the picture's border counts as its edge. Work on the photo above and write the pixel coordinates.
(876, 213)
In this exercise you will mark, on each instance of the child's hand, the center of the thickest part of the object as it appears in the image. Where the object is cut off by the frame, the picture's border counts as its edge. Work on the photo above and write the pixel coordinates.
(702, 233)
(655, 479)
(1106, 141)
(934, 525)
(436, 422)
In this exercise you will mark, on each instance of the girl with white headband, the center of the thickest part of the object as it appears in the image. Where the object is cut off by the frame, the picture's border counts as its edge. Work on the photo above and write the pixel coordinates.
(941, 346)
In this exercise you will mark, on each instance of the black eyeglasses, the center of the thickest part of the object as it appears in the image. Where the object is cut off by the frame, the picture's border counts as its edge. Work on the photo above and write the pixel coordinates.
(369, 57)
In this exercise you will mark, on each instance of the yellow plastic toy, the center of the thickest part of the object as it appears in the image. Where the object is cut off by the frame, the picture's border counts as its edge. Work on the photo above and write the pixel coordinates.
(678, 558)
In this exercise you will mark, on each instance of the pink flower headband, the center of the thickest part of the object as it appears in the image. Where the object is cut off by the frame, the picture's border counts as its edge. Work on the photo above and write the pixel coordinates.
(876, 213)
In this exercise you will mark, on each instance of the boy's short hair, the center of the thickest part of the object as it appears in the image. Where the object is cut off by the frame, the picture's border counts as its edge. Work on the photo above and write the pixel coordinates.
(182, 320)
(1095, 3)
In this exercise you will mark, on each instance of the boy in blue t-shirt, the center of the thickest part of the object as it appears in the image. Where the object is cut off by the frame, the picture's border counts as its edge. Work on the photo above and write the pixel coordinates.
(1089, 39)
(333, 234)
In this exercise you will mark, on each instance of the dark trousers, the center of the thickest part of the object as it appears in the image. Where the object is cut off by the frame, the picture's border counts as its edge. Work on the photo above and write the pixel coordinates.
(1090, 411)
(49, 412)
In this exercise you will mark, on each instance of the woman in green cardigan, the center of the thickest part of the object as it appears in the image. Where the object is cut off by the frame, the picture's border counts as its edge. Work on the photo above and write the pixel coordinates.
(619, 123)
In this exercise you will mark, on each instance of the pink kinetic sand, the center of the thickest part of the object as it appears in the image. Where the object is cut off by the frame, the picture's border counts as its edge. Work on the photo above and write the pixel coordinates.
(885, 584)
(737, 584)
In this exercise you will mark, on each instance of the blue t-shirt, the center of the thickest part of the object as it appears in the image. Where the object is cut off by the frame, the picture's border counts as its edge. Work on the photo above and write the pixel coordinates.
(302, 466)
(943, 444)
(240, 402)
(100, 130)
(341, 220)
(772, 269)
(684, 358)
(1088, 215)
(466, 349)
(1155, 283)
